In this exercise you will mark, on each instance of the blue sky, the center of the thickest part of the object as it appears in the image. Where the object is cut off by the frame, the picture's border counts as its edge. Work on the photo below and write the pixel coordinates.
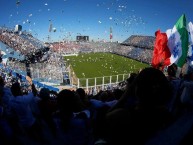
(93, 17)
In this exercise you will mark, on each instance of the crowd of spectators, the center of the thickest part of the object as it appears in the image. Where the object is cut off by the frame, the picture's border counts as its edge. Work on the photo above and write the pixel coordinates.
(152, 108)
(50, 71)
(140, 41)
(69, 47)
(140, 54)
(23, 43)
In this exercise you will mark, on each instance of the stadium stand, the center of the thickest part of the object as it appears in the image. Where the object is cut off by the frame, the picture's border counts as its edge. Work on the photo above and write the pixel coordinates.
(23, 43)
(140, 41)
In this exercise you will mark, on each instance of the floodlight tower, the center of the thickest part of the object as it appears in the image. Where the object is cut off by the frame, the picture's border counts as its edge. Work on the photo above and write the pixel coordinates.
(50, 30)
(111, 34)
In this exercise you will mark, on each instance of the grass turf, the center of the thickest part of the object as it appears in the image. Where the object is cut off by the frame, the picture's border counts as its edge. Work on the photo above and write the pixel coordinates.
(93, 65)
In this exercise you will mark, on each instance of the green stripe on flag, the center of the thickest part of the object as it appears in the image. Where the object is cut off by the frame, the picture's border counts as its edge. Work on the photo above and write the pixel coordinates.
(181, 27)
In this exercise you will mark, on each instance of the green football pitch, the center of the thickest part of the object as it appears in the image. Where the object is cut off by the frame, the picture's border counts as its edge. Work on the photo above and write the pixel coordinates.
(91, 65)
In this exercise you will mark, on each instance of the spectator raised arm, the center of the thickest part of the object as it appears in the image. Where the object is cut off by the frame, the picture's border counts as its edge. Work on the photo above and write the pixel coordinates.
(34, 91)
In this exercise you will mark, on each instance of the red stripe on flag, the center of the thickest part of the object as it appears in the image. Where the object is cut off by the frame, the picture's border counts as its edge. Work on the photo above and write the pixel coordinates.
(161, 53)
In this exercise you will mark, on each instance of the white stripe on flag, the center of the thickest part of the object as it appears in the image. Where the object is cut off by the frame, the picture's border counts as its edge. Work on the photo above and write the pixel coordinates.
(190, 49)
(190, 29)
(174, 44)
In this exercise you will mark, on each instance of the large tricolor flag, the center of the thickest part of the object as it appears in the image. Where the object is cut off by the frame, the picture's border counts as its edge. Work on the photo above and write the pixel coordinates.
(177, 43)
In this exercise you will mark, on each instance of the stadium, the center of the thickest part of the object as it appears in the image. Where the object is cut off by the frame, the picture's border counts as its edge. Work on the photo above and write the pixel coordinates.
(54, 63)
(110, 72)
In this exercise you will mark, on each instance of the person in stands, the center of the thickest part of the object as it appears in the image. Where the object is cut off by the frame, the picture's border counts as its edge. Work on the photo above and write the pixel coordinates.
(126, 125)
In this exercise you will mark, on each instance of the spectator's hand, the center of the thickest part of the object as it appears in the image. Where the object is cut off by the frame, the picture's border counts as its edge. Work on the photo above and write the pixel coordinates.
(29, 80)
